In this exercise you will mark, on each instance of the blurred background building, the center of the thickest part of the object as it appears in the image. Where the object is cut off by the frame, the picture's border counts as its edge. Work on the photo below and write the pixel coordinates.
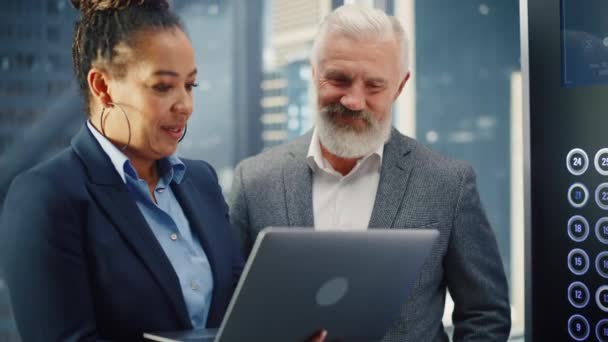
(39, 106)
(255, 90)
(290, 27)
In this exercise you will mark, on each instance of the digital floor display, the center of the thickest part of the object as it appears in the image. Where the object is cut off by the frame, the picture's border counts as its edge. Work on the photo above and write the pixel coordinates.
(584, 34)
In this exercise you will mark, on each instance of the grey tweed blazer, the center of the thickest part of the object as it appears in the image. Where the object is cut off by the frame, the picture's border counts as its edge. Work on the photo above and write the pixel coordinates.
(418, 188)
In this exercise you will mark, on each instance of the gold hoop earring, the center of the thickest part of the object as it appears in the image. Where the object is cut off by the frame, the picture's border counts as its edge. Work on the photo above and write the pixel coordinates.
(184, 135)
(103, 123)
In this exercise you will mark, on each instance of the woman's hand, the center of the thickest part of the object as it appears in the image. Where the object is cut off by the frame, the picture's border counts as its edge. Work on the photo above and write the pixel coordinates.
(318, 336)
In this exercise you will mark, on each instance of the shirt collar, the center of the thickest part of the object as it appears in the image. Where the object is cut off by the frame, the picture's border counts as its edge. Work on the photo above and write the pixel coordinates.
(170, 168)
(315, 159)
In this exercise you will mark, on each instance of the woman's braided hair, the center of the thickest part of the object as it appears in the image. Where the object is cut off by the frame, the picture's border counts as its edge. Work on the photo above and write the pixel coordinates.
(104, 24)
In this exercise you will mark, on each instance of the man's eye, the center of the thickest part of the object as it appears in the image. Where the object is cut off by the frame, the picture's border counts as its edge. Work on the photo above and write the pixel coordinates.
(375, 86)
(339, 81)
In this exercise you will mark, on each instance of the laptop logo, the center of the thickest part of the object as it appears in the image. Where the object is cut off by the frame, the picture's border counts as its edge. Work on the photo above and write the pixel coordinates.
(332, 291)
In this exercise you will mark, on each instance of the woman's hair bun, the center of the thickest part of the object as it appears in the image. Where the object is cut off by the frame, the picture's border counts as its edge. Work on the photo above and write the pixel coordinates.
(89, 6)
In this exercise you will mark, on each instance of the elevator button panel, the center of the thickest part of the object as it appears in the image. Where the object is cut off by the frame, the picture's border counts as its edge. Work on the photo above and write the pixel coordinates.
(587, 233)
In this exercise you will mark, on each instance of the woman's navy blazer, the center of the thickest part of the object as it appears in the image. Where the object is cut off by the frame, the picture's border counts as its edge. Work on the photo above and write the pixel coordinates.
(81, 262)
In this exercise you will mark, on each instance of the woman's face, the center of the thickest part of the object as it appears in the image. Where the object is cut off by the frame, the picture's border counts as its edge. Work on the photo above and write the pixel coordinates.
(155, 93)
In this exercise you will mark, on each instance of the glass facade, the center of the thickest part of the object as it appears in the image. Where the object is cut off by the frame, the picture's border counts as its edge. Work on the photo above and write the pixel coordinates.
(39, 106)
(210, 26)
(463, 93)
(39, 101)
(299, 111)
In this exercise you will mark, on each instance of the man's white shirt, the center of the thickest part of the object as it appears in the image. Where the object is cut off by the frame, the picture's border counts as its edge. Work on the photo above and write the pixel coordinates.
(343, 202)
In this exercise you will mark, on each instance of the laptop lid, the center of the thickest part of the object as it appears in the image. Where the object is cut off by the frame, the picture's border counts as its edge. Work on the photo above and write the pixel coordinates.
(299, 280)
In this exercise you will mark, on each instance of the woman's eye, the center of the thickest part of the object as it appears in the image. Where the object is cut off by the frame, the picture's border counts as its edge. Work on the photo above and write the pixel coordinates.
(163, 88)
(189, 86)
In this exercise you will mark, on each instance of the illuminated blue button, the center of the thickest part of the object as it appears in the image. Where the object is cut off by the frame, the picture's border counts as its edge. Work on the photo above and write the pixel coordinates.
(578, 195)
(578, 228)
(601, 264)
(577, 161)
(578, 261)
(578, 327)
(601, 161)
(601, 330)
(601, 298)
(601, 196)
(601, 230)
(578, 295)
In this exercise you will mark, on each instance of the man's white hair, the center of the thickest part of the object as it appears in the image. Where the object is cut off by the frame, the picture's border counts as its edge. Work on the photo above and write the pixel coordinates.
(362, 23)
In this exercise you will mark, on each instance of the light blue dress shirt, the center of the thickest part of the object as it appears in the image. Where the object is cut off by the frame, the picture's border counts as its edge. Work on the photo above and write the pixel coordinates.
(170, 226)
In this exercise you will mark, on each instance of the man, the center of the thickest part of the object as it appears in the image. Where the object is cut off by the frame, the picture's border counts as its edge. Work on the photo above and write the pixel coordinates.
(354, 171)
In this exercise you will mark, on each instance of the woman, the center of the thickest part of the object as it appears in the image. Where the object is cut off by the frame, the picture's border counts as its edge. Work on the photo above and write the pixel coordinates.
(116, 236)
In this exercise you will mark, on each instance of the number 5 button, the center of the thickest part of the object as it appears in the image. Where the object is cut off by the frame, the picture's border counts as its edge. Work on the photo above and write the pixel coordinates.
(577, 161)
(601, 161)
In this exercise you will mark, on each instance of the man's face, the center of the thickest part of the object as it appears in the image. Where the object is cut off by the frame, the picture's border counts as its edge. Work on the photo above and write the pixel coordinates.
(357, 82)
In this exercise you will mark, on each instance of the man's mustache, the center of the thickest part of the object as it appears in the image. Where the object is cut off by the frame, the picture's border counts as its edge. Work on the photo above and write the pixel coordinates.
(338, 110)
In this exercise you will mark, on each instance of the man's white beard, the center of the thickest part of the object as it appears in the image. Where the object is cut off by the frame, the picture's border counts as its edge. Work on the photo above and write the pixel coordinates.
(343, 140)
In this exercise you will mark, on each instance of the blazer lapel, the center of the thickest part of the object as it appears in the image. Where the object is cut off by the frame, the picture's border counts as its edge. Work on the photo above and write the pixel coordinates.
(108, 189)
(297, 181)
(397, 164)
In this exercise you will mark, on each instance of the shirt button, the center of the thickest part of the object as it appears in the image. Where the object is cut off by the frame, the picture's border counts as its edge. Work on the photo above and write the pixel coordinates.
(173, 236)
(194, 286)
(160, 190)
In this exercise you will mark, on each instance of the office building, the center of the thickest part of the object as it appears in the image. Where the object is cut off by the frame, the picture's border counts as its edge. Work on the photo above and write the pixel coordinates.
(40, 108)
(291, 28)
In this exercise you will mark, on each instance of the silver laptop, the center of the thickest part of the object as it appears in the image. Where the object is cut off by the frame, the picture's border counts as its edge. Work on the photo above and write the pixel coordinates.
(299, 280)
